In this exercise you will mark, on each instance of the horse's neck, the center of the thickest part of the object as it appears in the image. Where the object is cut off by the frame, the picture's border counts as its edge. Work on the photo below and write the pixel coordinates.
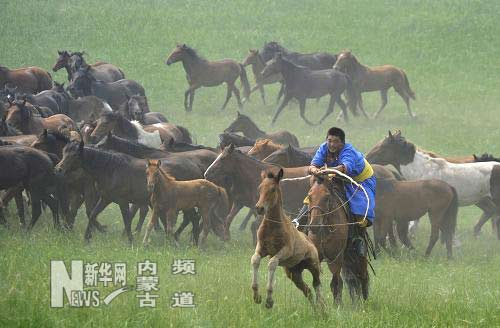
(193, 64)
(68, 70)
(126, 129)
(290, 72)
(258, 66)
(97, 163)
(129, 148)
(359, 70)
(275, 213)
(251, 131)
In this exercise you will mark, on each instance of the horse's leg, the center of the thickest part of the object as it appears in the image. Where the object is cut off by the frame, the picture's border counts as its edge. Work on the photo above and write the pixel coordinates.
(336, 284)
(152, 222)
(205, 217)
(228, 95)
(99, 207)
(186, 94)
(296, 277)
(378, 236)
(360, 105)
(402, 228)
(237, 95)
(36, 208)
(262, 93)
(406, 98)
(243, 224)
(285, 101)
(434, 236)
(254, 227)
(488, 208)
(383, 95)
(20, 207)
(302, 104)
(271, 269)
(53, 204)
(281, 92)
(343, 106)
(315, 269)
(255, 262)
(229, 218)
(127, 220)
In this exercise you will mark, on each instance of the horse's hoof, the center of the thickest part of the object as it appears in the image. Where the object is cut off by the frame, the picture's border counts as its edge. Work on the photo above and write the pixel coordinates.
(257, 299)
(269, 303)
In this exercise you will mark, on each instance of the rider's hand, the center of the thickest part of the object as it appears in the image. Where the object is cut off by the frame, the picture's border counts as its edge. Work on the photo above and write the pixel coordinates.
(363, 223)
(313, 170)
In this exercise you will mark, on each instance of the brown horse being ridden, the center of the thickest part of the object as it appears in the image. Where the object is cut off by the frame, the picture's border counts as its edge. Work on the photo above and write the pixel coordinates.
(379, 78)
(29, 79)
(328, 229)
(287, 247)
(263, 148)
(205, 73)
(245, 125)
(405, 201)
(26, 119)
(169, 196)
(258, 64)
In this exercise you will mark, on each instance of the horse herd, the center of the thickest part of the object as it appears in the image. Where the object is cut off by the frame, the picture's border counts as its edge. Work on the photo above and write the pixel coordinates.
(96, 142)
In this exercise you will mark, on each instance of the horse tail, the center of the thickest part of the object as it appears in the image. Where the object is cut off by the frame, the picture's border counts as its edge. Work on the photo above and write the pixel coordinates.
(409, 91)
(186, 135)
(449, 223)
(220, 208)
(351, 95)
(244, 82)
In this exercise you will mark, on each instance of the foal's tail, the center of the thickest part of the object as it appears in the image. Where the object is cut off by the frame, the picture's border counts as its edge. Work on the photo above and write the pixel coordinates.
(449, 222)
(244, 82)
(408, 90)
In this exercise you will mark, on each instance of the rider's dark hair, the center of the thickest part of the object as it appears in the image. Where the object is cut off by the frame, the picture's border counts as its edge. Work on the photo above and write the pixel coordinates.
(336, 132)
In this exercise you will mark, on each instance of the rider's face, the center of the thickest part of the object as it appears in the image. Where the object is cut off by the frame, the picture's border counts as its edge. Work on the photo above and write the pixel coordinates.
(334, 144)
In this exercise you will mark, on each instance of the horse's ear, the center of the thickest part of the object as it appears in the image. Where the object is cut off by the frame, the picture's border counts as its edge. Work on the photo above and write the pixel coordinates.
(390, 135)
(263, 174)
(45, 132)
(158, 163)
(230, 148)
(280, 175)
(398, 133)
(59, 52)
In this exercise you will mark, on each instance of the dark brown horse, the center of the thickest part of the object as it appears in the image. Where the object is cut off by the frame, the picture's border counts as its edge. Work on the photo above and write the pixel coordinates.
(255, 59)
(304, 83)
(100, 70)
(137, 108)
(314, 61)
(328, 229)
(29, 79)
(227, 138)
(290, 157)
(285, 245)
(114, 93)
(245, 125)
(205, 73)
(26, 119)
(379, 78)
(406, 201)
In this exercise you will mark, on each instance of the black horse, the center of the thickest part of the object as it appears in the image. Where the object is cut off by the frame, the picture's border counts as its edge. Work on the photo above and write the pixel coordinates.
(314, 61)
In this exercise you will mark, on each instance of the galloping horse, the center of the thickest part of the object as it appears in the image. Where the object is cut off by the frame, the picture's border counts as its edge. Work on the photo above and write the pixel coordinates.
(302, 83)
(245, 125)
(205, 73)
(314, 61)
(474, 182)
(255, 59)
(405, 201)
(169, 196)
(380, 78)
(29, 79)
(287, 247)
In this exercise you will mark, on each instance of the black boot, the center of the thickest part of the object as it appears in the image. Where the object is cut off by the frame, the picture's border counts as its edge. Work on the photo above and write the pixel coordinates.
(302, 213)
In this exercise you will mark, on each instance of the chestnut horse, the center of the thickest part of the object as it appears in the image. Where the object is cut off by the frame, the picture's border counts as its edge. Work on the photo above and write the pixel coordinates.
(379, 78)
(263, 148)
(205, 73)
(29, 79)
(26, 119)
(285, 245)
(255, 59)
(405, 201)
(169, 196)
(245, 125)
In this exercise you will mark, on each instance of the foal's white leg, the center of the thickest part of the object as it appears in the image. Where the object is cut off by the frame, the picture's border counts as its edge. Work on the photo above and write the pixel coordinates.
(151, 223)
(271, 267)
(255, 261)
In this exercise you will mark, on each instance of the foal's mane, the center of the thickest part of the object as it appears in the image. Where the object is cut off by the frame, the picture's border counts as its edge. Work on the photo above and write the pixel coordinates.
(193, 53)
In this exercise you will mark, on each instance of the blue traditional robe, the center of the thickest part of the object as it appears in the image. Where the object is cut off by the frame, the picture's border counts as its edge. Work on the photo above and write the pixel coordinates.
(354, 163)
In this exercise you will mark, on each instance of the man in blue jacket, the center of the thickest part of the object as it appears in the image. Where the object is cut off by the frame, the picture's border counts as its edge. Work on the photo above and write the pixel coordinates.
(336, 154)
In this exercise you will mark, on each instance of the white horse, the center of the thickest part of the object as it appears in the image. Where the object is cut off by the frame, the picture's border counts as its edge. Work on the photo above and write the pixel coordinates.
(473, 182)
(150, 139)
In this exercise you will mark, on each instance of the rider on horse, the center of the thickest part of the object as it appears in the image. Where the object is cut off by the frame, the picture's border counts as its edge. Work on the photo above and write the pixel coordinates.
(336, 154)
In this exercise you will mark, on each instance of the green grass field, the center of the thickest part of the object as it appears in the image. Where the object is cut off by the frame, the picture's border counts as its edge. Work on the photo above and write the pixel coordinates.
(449, 50)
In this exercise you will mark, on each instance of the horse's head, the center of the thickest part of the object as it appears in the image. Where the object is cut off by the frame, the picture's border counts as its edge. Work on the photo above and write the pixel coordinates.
(19, 113)
(153, 173)
(63, 60)
(72, 156)
(51, 142)
(269, 191)
(177, 54)
(273, 66)
(393, 149)
(104, 124)
(222, 167)
(345, 61)
(77, 61)
(80, 84)
(86, 129)
(137, 106)
(239, 124)
(270, 49)
(253, 55)
(320, 201)
(262, 148)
